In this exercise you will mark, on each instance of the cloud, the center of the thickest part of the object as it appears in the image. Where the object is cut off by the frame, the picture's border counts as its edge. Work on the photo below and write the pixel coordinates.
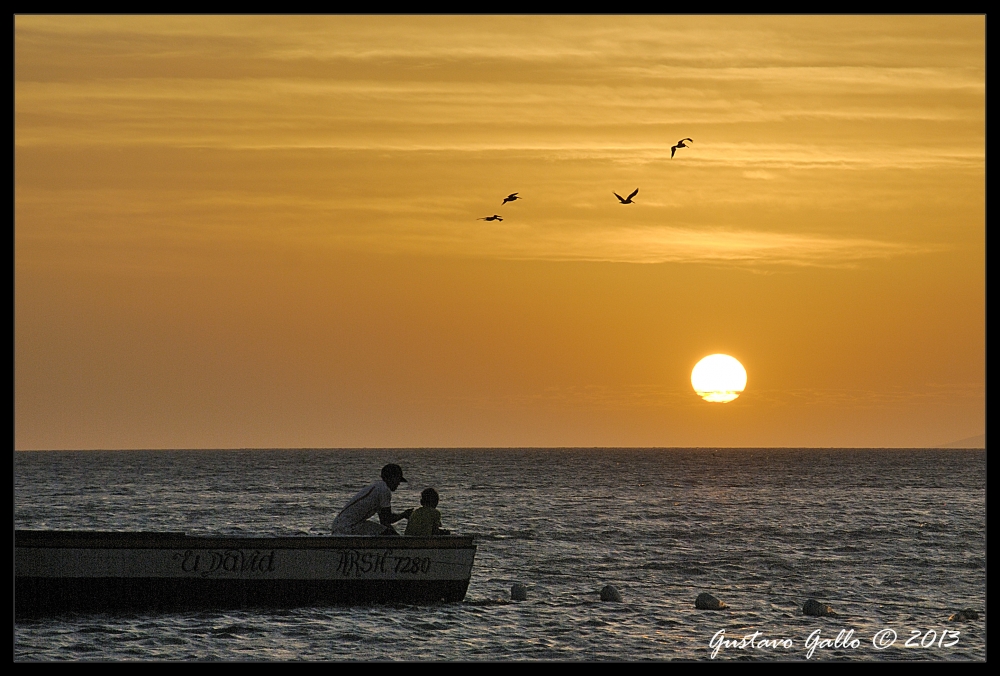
(955, 394)
(636, 396)
(406, 82)
(650, 245)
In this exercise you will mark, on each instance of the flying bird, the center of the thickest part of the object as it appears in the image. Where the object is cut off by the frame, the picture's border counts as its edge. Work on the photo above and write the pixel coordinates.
(510, 198)
(627, 200)
(494, 217)
(680, 144)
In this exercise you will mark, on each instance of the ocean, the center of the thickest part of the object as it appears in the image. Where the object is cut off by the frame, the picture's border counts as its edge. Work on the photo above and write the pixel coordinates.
(894, 540)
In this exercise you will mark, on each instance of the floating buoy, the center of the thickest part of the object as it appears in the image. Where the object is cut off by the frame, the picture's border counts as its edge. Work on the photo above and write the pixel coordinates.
(610, 593)
(518, 592)
(816, 609)
(706, 601)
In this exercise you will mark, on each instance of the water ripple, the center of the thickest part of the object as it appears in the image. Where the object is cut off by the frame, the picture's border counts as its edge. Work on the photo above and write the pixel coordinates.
(891, 539)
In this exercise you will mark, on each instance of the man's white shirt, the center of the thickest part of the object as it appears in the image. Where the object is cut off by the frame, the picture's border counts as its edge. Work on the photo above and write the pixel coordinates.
(362, 507)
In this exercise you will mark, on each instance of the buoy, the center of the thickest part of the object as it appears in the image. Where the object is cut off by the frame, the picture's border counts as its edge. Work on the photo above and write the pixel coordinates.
(518, 592)
(610, 593)
(816, 609)
(706, 601)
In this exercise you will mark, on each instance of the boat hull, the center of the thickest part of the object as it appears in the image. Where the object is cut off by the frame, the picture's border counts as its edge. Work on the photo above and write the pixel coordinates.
(59, 571)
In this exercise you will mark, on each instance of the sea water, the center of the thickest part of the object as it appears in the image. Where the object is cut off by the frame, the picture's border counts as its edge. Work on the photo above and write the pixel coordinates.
(893, 540)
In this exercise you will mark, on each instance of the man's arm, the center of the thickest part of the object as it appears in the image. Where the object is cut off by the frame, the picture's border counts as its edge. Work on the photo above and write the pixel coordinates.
(387, 518)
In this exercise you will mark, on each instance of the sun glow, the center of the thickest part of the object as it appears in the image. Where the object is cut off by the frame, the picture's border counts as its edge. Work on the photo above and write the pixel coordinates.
(719, 378)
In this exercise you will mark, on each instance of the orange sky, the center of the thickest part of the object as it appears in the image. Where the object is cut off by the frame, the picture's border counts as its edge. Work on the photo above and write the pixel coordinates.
(262, 231)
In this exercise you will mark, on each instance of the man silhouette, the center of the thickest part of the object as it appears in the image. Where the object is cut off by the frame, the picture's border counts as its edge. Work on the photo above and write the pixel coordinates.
(372, 500)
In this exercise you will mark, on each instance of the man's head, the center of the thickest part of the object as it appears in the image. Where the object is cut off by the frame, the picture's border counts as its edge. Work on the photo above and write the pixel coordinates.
(392, 474)
(429, 497)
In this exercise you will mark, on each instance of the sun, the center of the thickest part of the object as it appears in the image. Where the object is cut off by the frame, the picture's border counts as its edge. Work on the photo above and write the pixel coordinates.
(719, 378)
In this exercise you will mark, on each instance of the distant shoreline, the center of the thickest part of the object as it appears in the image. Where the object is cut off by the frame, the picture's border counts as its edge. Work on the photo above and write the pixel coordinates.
(978, 441)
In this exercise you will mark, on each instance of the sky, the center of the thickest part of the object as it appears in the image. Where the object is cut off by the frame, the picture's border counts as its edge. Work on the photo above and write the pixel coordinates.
(263, 232)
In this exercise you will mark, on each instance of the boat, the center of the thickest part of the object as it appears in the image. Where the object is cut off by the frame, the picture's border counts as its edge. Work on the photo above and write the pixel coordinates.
(98, 571)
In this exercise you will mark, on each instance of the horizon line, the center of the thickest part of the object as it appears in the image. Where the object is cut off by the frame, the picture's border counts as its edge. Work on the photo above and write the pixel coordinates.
(509, 448)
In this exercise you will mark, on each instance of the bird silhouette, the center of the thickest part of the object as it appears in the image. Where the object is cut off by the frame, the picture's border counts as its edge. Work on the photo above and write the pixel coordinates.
(494, 217)
(627, 200)
(680, 144)
(510, 198)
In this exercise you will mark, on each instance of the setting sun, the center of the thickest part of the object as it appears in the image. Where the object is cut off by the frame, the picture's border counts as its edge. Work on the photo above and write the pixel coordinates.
(719, 378)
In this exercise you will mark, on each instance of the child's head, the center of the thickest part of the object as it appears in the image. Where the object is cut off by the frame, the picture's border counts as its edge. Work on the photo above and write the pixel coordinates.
(429, 497)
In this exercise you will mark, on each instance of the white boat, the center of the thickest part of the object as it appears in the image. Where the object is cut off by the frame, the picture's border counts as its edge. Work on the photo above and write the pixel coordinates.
(58, 571)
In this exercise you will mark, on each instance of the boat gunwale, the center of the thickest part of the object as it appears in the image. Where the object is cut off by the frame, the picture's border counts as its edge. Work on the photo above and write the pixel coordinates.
(70, 539)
